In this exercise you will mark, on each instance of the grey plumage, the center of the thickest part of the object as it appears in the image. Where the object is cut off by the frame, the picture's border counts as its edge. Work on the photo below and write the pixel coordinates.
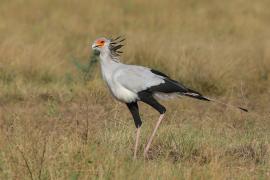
(139, 78)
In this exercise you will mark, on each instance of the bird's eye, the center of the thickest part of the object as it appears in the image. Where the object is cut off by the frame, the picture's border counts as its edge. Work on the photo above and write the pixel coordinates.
(102, 42)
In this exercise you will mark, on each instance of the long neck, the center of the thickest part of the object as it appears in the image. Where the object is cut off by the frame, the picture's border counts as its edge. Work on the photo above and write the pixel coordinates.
(107, 59)
(108, 64)
(106, 56)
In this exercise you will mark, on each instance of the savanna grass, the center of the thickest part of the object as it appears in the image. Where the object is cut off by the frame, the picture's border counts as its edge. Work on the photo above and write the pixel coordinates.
(56, 122)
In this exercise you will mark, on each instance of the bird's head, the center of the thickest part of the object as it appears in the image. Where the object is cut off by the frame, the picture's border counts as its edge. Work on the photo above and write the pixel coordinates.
(112, 45)
(100, 44)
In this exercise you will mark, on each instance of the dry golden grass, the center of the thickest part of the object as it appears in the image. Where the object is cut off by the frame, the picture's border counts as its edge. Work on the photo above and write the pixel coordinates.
(54, 125)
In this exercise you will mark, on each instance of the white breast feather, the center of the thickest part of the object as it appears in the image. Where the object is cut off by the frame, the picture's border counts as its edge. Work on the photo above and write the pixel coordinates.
(123, 94)
(118, 91)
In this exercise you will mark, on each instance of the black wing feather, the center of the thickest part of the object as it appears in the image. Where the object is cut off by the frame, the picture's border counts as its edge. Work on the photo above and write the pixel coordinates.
(172, 86)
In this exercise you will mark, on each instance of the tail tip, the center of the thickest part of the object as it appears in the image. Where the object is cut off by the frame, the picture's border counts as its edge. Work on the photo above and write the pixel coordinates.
(205, 98)
(243, 109)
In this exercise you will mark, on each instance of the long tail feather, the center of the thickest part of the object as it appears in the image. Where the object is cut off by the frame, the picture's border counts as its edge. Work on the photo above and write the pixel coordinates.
(174, 86)
(228, 105)
(197, 95)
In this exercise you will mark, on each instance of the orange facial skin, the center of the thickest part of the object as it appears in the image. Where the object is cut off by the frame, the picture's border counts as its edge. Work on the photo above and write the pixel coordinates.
(100, 42)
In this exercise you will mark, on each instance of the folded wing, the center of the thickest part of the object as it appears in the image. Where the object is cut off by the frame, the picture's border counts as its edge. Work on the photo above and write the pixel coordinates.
(137, 78)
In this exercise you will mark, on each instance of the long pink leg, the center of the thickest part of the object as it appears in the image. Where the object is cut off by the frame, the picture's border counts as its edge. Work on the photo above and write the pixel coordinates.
(152, 136)
(137, 142)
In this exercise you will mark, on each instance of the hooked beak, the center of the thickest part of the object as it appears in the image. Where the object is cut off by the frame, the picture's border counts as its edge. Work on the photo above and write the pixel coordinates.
(94, 46)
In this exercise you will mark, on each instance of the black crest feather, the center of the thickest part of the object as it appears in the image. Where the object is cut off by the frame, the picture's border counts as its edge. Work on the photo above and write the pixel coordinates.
(115, 45)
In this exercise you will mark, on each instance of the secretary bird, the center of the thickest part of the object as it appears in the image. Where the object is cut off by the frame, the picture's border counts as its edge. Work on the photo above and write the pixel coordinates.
(130, 84)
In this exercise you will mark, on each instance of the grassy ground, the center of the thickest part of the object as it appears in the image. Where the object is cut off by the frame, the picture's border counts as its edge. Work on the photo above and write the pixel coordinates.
(54, 124)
